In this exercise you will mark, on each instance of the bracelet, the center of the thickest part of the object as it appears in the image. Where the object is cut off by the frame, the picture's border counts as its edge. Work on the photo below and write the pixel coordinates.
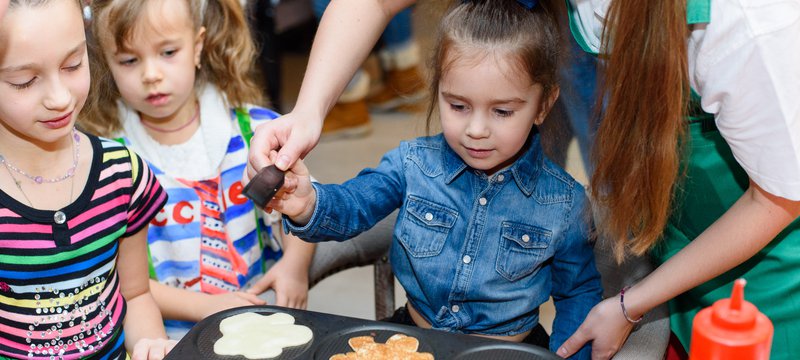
(625, 312)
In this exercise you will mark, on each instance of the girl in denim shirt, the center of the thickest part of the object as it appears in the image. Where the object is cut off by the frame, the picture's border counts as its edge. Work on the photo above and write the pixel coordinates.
(488, 227)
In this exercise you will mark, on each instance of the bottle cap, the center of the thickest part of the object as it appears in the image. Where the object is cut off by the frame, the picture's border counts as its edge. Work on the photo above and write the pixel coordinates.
(731, 329)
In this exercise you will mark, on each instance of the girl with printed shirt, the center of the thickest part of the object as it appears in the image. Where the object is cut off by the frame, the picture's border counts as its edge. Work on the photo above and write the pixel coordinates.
(173, 81)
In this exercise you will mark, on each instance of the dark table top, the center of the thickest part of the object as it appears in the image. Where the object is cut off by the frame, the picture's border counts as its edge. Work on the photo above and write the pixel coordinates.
(331, 333)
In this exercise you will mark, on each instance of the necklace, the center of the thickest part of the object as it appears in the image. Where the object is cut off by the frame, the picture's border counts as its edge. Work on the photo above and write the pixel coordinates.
(59, 217)
(179, 128)
(76, 142)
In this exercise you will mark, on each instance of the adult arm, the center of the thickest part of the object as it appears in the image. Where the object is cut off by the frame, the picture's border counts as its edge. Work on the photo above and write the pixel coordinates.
(744, 70)
(747, 227)
(347, 32)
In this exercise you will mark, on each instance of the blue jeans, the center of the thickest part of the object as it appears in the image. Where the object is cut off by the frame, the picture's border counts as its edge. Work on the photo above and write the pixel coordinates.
(397, 32)
(578, 80)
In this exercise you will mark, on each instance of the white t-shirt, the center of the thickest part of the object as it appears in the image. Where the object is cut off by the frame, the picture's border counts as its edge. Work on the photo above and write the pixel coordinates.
(745, 64)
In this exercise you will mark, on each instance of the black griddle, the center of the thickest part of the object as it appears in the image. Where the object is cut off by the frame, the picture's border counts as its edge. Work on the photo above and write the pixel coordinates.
(331, 333)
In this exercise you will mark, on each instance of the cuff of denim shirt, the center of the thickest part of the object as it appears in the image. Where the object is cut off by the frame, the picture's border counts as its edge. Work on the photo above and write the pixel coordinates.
(309, 230)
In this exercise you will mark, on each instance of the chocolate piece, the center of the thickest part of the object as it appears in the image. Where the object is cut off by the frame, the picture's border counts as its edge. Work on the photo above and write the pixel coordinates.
(264, 185)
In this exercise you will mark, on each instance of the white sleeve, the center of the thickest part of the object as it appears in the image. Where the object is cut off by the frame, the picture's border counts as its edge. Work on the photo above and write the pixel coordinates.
(747, 71)
(586, 19)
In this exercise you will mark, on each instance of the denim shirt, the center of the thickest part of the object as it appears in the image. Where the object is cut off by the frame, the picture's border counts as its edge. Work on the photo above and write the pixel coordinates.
(475, 254)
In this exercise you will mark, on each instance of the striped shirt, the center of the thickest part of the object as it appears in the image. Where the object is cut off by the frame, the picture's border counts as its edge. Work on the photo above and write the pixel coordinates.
(59, 290)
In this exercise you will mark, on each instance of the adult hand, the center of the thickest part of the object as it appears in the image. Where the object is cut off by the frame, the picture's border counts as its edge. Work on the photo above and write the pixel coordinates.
(293, 136)
(218, 302)
(605, 326)
(152, 349)
(289, 281)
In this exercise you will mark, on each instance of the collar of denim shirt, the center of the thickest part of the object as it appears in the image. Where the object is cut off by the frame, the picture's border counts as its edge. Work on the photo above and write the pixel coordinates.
(524, 171)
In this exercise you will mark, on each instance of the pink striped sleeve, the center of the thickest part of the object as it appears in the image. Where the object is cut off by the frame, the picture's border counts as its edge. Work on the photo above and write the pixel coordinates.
(147, 196)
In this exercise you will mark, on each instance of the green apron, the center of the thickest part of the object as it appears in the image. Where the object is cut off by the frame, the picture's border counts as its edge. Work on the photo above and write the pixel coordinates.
(713, 182)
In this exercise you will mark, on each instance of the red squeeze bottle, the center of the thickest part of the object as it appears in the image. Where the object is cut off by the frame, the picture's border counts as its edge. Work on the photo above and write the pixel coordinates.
(731, 329)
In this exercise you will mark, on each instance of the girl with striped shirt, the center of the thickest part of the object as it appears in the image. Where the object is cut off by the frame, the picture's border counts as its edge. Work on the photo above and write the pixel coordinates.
(74, 208)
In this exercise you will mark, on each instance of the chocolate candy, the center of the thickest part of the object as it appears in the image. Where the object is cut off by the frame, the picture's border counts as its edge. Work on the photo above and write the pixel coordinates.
(262, 188)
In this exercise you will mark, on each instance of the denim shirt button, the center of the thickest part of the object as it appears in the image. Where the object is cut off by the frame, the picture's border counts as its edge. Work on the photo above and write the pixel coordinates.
(467, 259)
(482, 201)
(526, 238)
(429, 216)
(455, 308)
(500, 178)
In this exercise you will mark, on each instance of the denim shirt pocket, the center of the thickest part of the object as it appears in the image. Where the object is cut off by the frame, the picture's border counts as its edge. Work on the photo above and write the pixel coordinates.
(425, 227)
(522, 249)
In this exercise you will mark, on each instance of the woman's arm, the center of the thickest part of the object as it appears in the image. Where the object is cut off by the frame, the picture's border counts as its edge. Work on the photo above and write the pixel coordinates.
(747, 227)
(347, 32)
(145, 337)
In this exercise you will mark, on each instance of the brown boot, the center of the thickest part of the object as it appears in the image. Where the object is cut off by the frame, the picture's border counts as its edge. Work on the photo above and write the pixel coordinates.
(402, 90)
(347, 120)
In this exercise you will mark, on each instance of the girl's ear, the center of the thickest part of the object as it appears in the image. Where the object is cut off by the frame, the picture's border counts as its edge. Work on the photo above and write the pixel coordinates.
(547, 105)
(198, 45)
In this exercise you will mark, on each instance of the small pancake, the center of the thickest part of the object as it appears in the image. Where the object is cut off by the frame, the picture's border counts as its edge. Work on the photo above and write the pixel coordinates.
(397, 347)
(403, 342)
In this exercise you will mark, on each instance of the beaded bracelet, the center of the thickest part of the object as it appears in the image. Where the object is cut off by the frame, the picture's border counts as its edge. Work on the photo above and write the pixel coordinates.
(625, 312)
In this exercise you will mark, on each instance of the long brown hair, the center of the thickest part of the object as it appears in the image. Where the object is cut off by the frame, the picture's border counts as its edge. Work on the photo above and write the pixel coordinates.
(637, 151)
(226, 61)
(531, 37)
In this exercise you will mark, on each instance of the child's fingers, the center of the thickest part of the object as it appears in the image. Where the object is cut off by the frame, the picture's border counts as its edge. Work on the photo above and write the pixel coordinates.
(281, 299)
(261, 285)
(252, 298)
(298, 302)
(157, 351)
(171, 345)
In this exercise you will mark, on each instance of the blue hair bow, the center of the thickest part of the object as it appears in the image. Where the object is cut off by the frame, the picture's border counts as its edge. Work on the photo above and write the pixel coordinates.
(528, 4)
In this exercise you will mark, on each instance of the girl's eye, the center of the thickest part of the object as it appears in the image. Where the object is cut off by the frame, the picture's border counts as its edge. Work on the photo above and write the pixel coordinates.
(127, 61)
(74, 67)
(458, 107)
(23, 86)
(170, 53)
(503, 113)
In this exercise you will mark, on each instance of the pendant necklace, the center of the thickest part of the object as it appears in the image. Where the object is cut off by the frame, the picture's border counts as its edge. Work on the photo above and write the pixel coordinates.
(59, 217)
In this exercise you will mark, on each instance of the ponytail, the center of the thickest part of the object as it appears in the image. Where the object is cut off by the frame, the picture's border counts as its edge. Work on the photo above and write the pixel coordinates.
(637, 151)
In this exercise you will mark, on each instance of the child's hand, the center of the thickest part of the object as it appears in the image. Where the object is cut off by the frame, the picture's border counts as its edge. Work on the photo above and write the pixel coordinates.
(297, 197)
(225, 301)
(152, 349)
(289, 282)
